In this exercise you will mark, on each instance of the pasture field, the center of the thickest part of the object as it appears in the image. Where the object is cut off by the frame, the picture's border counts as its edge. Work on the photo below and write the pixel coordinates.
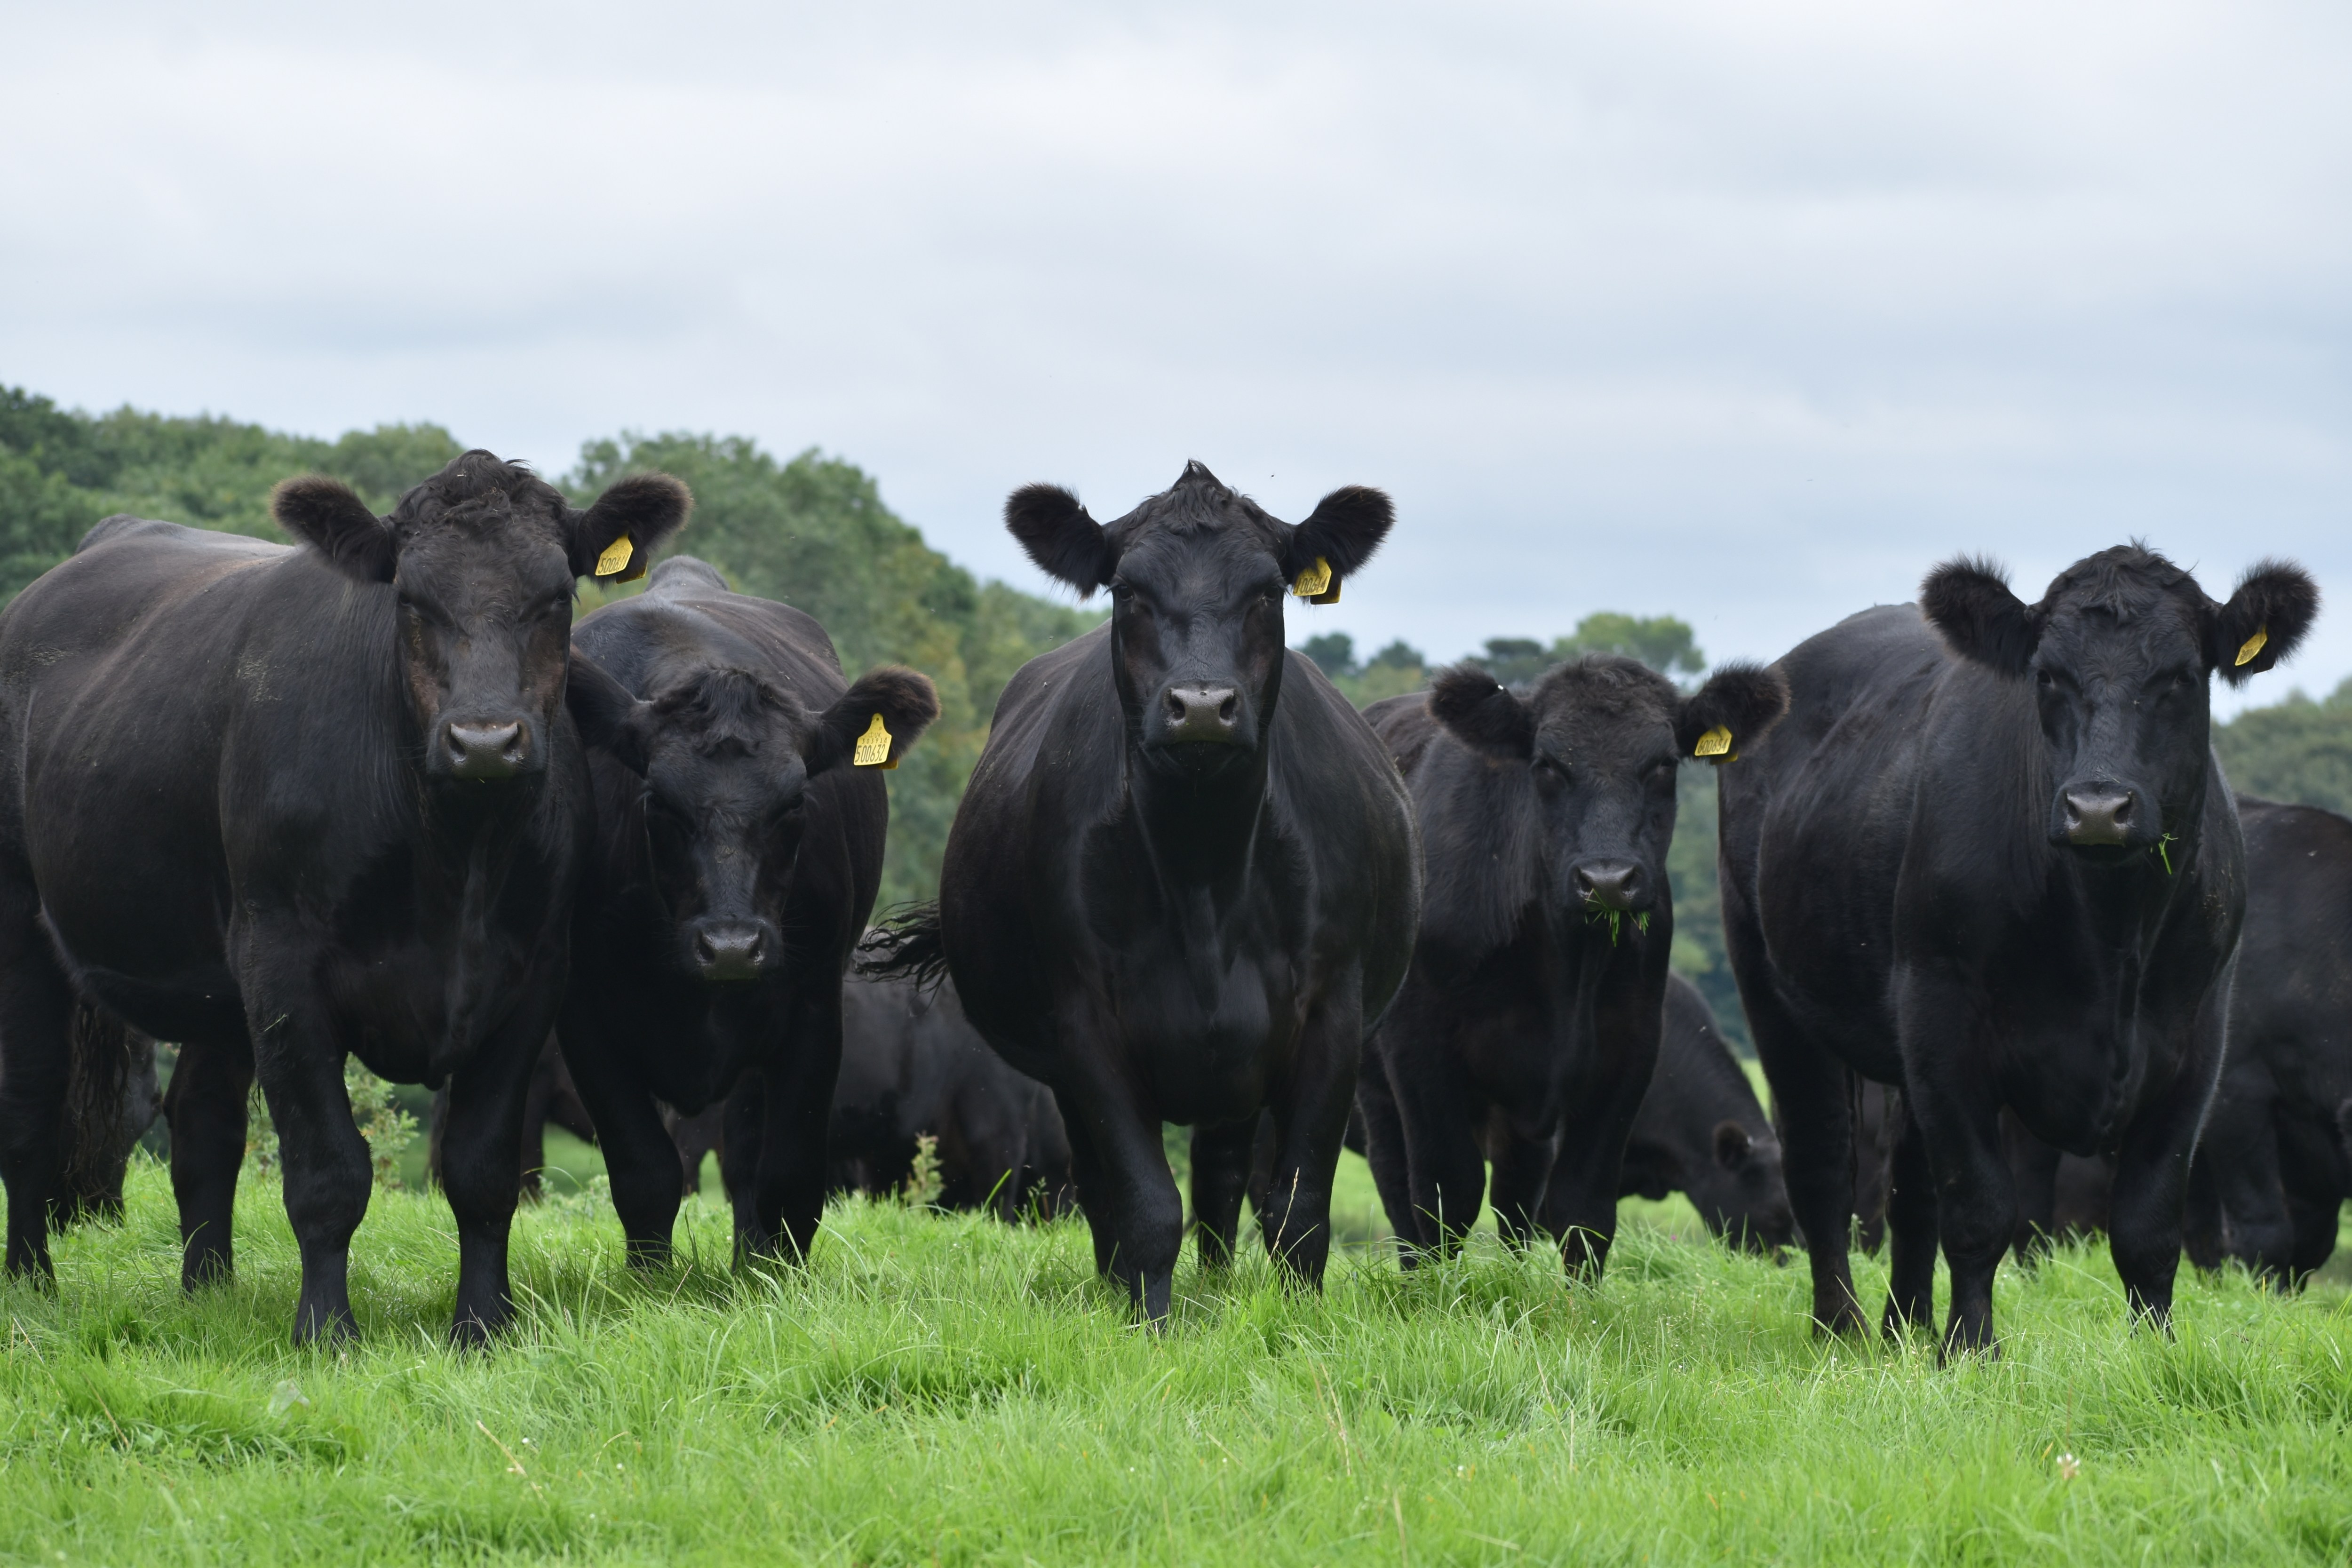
(942, 1389)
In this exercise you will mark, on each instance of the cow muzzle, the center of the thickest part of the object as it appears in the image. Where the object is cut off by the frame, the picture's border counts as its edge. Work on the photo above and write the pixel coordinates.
(1612, 884)
(1196, 713)
(485, 750)
(726, 951)
(2097, 815)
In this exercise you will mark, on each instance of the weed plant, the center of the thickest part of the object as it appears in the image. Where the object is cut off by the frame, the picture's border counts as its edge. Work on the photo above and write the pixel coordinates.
(944, 1388)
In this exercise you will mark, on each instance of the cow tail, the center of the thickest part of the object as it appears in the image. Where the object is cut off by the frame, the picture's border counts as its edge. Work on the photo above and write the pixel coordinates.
(907, 946)
(98, 1072)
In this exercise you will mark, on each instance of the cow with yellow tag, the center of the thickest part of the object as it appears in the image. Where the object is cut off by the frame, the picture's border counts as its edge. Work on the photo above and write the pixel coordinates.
(741, 814)
(1990, 859)
(1529, 1025)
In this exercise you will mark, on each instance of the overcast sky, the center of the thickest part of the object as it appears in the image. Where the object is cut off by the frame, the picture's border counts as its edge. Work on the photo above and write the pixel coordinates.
(1745, 312)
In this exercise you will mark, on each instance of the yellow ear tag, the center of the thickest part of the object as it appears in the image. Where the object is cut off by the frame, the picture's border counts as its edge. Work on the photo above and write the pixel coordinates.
(1315, 582)
(1716, 743)
(2252, 645)
(615, 557)
(874, 747)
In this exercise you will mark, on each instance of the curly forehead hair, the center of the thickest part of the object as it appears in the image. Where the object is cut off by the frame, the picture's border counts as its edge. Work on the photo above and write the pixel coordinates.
(1605, 685)
(478, 486)
(724, 708)
(2127, 581)
(1197, 503)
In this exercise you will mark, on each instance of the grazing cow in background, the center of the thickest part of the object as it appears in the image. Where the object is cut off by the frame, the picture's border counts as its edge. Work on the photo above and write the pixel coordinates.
(1989, 856)
(111, 1098)
(739, 822)
(1182, 881)
(1538, 977)
(912, 1065)
(284, 805)
(2275, 1164)
(1702, 1132)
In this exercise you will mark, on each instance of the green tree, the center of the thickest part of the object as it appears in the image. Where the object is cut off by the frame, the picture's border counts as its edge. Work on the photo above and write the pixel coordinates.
(2297, 750)
(1664, 643)
(1334, 652)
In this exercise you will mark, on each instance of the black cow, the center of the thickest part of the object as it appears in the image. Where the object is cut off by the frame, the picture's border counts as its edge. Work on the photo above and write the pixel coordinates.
(1539, 974)
(2060, 1196)
(2276, 1165)
(286, 804)
(739, 821)
(113, 1097)
(912, 1065)
(1183, 882)
(1702, 1132)
(1988, 857)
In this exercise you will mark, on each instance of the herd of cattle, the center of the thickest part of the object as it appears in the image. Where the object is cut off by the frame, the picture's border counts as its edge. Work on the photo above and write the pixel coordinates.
(1993, 910)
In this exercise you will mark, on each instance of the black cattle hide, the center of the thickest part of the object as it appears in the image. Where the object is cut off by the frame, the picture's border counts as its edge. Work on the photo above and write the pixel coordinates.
(1701, 1132)
(1182, 881)
(1989, 857)
(2276, 1163)
(284, 805)
(739, 847)
(1531, 1012)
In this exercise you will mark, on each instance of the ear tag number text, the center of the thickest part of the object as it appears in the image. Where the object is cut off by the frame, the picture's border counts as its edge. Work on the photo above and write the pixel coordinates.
(1316, 584)
(615, 559)
(2252, 645)
(1716, 743)
(874, 747)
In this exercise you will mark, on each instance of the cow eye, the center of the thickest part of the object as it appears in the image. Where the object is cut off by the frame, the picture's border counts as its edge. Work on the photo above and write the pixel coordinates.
(1552, 770)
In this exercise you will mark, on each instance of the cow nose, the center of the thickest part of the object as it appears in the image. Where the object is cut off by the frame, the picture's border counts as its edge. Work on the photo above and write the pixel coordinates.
(1608, 884)
(1203, 712)
(2098, 814)
(485, 751)
(733, 951)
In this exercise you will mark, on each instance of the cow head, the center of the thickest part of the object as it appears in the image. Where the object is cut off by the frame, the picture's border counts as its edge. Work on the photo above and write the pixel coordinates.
(1741, 1190)
(2119, 652)
(726, 756)
(481, 559)
(1198, 575)
(1595, 744)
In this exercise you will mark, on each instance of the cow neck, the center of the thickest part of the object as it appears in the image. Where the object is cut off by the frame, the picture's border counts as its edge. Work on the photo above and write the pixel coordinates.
(1200, 838)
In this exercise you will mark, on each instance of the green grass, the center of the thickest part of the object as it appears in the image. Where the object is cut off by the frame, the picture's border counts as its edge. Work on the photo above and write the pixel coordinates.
(945, 1389)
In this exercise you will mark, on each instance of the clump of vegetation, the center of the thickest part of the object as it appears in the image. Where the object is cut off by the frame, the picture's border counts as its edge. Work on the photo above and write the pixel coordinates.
(924, 1183)
(376, 1110)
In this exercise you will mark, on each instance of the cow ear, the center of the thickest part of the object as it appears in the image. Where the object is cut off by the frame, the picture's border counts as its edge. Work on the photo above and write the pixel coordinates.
(903, 700)
(615, 539)
(1969, 601)
(325, 514)
(1342, 533)
(609, 717)
(1066, 544)
(2264, 620)
(1739, 703)
(1481, 714)
(1732, 1145)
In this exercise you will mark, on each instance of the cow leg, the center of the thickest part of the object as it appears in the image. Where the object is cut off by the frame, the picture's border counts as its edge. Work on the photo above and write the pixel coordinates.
(207, 1109)
(1384, 1151)
(2313, 1217)
(482, 1172)
(1911, 1230)
(1130, 1187)
(787, 1200)
(35, 1059)
(2243, 1190)
(1087, 1174)
(299, 1061)
(640, 1161)
(1222, 1156)
(1627, 1019)
(1310, 1124)
(1445, 1169)
(1952, 1105)
(2033, 1166)
(2144, 1218)
(537, 1096)
(1523, 1169)
(1809, 1090)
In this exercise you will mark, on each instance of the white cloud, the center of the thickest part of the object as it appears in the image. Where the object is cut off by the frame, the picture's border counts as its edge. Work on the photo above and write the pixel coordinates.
(1745, 312)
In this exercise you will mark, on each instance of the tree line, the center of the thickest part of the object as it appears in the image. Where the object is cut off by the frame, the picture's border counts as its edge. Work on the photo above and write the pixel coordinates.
(814, 532)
